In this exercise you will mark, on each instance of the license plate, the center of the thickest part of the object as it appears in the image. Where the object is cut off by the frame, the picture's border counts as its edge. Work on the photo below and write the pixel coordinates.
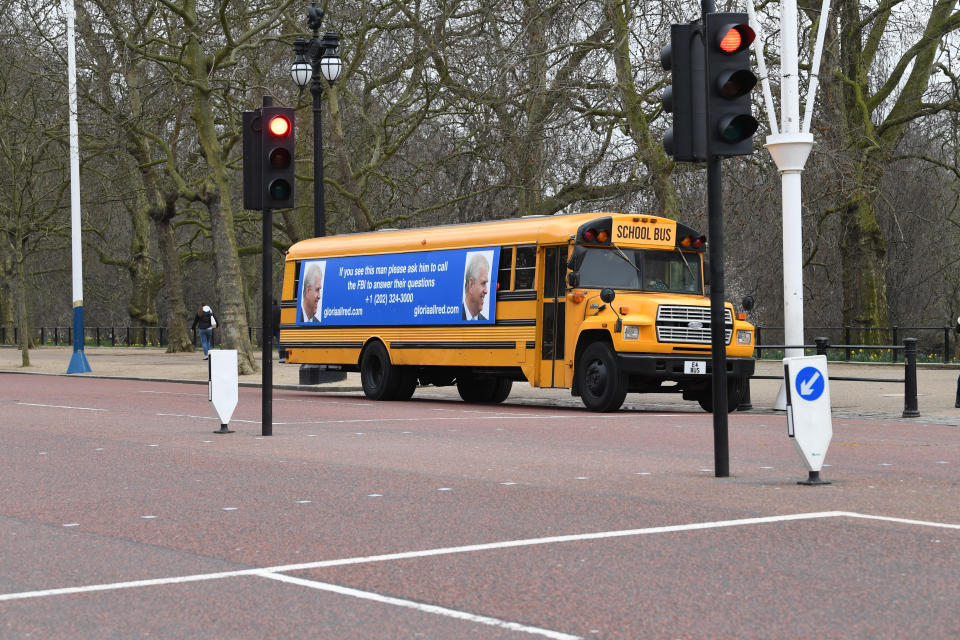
(697, 367)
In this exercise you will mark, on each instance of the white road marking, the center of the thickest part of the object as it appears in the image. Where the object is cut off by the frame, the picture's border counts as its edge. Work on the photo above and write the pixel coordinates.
(58, 406)
(172, 393)
(505, 544)
(472, 417)
(419, 606)
(186, 415)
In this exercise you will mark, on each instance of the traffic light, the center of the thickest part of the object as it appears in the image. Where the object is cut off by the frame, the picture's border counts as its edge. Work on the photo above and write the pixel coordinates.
(683, 58)
(252, 187)
(731, 125)
(276, 157)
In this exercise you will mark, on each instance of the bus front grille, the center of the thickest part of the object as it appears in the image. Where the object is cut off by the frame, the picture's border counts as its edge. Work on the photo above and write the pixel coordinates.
(688, 325)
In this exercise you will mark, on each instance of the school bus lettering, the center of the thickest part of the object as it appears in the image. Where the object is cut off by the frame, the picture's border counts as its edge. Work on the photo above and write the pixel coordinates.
(601, 304)
(656, 233)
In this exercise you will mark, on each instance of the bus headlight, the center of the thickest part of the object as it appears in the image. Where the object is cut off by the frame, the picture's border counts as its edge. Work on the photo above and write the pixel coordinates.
(744, 337)
(631, 332)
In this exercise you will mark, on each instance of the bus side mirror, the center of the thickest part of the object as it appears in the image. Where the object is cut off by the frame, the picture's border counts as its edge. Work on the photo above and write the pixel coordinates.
(576, 259)
(747, 303)
(573, 279)
(607, 295)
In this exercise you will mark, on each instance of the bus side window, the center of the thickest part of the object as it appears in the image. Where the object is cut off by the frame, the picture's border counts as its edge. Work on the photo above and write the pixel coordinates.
(505, 269)
(526, 267)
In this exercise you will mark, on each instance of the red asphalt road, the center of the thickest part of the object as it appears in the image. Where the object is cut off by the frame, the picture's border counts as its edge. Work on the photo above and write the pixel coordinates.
(116, 481)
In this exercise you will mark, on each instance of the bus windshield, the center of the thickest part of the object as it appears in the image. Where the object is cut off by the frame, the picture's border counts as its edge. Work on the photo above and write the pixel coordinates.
(641, 270)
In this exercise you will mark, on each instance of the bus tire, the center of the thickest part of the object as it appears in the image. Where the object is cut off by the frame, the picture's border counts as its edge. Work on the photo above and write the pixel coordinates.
(501, 390)
(484, 389)
(408, 383)
(735, 392)
(380, 379)
(602, 386)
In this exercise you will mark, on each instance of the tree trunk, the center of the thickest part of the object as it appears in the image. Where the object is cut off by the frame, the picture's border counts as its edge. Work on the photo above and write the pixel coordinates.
(7, 300)
(178, 339)
(22, 313)
(232, 322)
(863, 249)
(142, 307)
(650, 148)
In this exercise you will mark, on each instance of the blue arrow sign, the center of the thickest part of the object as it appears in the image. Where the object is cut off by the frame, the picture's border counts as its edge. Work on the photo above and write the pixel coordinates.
(810, 383)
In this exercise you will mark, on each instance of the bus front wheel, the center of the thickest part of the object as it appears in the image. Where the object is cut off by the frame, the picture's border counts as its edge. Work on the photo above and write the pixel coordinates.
(381, 380)
(602, 386)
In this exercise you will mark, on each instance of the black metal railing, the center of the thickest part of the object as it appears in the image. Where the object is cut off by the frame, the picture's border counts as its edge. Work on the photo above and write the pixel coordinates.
(109, 336)
(822, 345)
(933, 343)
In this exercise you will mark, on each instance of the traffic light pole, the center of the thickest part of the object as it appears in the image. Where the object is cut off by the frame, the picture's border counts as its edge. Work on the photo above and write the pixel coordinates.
(266, 379)
(721, 443)
(721, 447)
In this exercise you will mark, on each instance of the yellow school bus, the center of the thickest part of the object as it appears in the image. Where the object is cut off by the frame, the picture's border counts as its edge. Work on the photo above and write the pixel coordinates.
(603, 304)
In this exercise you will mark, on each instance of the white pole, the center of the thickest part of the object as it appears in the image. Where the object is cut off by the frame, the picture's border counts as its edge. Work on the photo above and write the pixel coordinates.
(764, 76)
(78, 362)
(790, 150)
(790, 73)
(815, 67)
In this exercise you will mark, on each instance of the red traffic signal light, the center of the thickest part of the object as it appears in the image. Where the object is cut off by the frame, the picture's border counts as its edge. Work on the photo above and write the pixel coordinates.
(735, 38)
(277, 180)
(731, 123)
(279, 126)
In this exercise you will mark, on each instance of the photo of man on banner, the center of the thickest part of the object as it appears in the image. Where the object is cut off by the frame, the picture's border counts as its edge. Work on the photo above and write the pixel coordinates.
(476, 284)
(311, 291)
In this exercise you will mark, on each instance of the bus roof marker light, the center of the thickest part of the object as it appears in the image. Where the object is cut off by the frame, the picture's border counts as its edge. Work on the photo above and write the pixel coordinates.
(603, 236)
(590, 235)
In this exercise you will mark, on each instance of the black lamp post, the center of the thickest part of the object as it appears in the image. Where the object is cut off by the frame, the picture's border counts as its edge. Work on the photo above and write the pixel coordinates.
(314, 62)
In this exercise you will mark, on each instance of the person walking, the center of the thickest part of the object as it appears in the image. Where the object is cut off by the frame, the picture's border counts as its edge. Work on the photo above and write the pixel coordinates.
(205, 322)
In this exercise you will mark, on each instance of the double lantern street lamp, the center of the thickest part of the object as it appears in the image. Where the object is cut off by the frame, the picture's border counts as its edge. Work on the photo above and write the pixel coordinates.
(314, 62)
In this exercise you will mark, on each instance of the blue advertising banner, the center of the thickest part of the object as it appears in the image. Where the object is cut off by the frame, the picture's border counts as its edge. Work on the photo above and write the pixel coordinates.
(453, 286)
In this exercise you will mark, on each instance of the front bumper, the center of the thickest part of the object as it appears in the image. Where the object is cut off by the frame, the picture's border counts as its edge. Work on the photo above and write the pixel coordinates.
(662, 367)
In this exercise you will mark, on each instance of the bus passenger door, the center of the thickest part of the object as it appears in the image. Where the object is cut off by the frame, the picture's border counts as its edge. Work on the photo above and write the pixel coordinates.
(552, 317)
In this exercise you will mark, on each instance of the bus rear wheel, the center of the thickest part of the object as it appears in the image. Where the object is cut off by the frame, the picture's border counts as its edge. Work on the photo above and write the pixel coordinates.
(381, 380)
(602, 386)
(485, 389)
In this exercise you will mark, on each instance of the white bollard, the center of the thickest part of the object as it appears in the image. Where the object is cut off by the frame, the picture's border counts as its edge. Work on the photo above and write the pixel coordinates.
(809, 422)
(223, 385)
